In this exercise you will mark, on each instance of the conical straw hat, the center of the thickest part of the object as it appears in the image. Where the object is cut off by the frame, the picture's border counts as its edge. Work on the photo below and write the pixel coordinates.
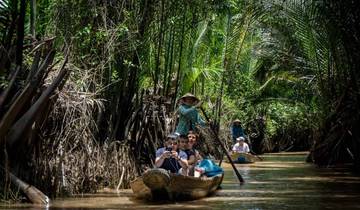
(189, 95)
(236, 121)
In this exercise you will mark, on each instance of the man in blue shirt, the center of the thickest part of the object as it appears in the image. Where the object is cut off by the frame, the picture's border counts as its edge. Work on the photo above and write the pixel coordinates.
(171, 157)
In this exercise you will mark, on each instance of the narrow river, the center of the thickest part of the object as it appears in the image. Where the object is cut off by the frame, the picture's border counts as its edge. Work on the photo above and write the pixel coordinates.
(281, 181)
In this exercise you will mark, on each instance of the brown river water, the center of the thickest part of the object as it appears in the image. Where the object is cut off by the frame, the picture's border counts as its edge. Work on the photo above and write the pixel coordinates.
(280, 181)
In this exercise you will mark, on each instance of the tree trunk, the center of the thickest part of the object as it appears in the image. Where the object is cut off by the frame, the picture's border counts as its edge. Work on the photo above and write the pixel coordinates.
(160, 37)
(20, 33)
(180, 56)
(33, 18)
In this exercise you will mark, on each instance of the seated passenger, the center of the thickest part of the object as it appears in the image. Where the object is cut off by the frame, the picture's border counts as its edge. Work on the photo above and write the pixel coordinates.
(183, 145)
(193, 155)
(171, 157)
(241, 146)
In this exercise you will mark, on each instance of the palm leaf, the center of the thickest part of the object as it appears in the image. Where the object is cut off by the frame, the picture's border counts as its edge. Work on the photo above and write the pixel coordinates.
(304, 14)
(5, 15)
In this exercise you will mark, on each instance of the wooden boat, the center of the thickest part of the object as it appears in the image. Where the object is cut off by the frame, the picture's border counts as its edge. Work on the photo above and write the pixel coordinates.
(158, 184)
(243, 158)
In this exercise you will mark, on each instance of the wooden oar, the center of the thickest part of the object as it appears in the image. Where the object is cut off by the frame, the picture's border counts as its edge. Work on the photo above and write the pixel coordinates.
(224, 149)
(222, 157)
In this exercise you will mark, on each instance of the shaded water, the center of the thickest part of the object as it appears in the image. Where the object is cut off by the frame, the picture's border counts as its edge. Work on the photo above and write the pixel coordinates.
(281, 181)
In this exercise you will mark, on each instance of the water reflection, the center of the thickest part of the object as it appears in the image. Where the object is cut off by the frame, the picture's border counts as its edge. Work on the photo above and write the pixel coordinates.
(281, 181)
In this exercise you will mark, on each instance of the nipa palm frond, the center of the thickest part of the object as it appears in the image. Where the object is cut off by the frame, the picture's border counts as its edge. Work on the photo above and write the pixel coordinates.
(5, 16)
(304, 16)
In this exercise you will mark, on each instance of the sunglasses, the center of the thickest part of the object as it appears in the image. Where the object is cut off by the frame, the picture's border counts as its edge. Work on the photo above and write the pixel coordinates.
(171, 142)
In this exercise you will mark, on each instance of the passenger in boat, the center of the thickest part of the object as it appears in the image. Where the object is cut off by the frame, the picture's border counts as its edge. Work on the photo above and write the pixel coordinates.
(193, 155)
(183, 145)
(183, 141)
(171, 157)
(192, 136)
(189, 116)
(236, 130)
(241, 146)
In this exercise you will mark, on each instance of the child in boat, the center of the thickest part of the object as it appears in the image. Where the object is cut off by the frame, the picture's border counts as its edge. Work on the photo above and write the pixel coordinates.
(240, 146)
(171, 157)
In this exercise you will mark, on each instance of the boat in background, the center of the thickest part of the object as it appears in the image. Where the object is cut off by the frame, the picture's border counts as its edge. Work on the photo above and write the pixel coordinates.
(243, 158)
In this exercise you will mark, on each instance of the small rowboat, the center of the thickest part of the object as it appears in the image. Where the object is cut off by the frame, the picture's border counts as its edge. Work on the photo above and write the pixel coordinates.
(159, 184)
(243, 158)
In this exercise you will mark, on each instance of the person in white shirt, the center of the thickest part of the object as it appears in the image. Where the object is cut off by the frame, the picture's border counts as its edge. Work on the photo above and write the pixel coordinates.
(241, 146)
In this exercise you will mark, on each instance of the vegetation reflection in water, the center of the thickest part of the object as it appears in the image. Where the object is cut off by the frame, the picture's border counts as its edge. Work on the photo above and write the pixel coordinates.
(281, 181)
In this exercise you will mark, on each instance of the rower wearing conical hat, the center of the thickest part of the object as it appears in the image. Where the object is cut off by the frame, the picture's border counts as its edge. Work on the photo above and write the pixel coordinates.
(189, 116)
(189, 99)
(236, 130)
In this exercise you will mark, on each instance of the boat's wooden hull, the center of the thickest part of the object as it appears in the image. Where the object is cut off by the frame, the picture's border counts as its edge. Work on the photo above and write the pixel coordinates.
(179, 188)
(243, 158)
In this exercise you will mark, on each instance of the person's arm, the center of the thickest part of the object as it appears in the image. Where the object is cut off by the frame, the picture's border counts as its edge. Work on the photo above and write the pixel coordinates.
(183, 163)
(247, 149)
(161, 155)
(192, 160)
(159, 161)
(186, 110)
(181, 157)
(198, 157)
(234, 149)
(200, 120)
